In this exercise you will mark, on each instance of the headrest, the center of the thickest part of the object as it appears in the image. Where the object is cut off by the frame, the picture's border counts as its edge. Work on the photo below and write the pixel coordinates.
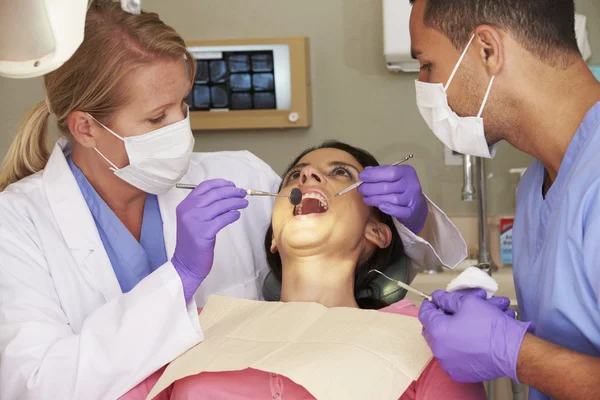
(381, 288)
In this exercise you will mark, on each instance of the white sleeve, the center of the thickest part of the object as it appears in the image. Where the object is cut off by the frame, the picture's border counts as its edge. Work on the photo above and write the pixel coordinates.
(119, 344)
(446, 246)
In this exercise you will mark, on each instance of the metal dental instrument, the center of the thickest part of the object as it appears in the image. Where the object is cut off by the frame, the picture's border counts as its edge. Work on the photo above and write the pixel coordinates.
(294, 196)
(404, 285)
(357, 184)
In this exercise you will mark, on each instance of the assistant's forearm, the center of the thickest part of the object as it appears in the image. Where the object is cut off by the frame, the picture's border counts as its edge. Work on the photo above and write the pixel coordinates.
(558, 372)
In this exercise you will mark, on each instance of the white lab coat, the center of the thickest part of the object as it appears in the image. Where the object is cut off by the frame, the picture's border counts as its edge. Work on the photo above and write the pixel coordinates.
(66, 329)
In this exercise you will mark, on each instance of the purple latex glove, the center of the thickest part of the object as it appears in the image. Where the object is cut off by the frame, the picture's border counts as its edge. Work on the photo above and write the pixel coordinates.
(396, 191)
(209, 208)
(474, 339)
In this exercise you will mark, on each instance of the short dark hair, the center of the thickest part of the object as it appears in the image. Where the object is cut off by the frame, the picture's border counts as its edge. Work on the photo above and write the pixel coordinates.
(380, 259)
(545, 28)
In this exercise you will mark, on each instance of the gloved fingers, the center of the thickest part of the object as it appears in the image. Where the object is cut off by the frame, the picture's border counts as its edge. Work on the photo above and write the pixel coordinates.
(501, 302)
(218, 208)
(209, 185)
(396, 199)
(398, 212)
(381, 189)
(511, 313)
(450, 302)
(218, 194)
(386, 173)
(430, 314)
(427, 305)
(474, 292)
(219, 223)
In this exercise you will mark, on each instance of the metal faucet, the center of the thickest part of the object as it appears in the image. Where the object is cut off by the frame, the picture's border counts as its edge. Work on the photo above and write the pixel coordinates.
(468, 192)
(484, 261)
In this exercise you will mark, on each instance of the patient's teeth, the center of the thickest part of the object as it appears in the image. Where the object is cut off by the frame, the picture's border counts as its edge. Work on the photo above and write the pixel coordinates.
(323, 202)
(318, 196)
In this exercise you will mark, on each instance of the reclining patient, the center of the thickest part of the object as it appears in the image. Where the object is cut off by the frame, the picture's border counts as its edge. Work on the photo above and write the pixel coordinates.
(322, 251)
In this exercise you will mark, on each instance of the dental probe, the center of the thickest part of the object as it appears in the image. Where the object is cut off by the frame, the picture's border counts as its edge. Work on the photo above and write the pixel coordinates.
(357, 184)
(403, 285)
(295, 195)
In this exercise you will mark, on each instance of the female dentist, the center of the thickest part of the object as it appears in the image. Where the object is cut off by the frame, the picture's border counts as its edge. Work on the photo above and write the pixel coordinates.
(100, 257)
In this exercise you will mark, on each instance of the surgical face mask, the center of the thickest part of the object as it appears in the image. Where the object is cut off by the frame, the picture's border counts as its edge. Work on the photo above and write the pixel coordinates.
(461, 134)
(158, 159)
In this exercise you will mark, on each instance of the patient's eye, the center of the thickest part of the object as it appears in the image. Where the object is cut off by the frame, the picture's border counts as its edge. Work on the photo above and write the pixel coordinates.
(292, 176)
(341, 171)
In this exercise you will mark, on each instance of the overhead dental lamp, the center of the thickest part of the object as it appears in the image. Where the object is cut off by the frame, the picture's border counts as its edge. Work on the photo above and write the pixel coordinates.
(38, 36)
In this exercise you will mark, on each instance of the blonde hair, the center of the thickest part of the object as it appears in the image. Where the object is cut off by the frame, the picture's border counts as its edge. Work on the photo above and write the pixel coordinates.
(115, 43)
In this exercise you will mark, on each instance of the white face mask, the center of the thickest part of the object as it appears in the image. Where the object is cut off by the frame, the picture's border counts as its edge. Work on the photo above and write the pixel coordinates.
(158, 159)
(461, 134)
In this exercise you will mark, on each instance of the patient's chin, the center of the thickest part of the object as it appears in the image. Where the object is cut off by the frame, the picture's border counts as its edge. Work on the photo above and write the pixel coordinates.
(305, 239)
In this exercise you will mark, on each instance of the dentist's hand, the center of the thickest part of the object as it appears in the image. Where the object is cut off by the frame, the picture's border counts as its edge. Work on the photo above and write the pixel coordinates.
(474, 339)
(396, 191)
(209, 208)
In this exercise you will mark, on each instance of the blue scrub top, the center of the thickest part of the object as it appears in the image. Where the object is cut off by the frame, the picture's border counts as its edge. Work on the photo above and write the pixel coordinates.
(556, 252)
(131, 260)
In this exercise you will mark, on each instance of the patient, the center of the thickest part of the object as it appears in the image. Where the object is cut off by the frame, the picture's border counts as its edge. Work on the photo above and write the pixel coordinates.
(321, 250)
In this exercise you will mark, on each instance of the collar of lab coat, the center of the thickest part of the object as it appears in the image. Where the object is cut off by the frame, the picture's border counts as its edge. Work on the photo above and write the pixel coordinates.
(76, 223)
(70, 210)
(72, 213)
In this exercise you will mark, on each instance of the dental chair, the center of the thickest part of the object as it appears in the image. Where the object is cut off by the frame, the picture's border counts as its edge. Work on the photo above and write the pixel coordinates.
(381, 288)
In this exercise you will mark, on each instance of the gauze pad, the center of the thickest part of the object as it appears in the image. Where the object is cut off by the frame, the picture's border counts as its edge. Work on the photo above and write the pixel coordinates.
(474, 278)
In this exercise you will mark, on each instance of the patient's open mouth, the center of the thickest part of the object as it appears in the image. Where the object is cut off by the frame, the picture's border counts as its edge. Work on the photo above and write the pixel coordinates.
(313, 202)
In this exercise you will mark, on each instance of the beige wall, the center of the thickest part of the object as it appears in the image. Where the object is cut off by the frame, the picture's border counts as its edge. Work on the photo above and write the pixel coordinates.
(355, 98)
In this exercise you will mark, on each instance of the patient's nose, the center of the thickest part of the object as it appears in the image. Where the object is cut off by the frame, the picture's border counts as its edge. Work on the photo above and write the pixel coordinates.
(309, 174)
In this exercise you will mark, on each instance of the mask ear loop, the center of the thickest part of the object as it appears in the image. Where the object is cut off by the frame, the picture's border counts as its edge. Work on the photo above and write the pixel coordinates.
(113, 167)
(485, 98)
(462, 56)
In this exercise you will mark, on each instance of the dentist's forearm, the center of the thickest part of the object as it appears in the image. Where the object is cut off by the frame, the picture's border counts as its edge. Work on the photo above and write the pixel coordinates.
(558, 372)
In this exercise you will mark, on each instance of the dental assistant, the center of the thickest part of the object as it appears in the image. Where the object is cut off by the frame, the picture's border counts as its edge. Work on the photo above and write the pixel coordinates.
(512, 71)
(103, 263)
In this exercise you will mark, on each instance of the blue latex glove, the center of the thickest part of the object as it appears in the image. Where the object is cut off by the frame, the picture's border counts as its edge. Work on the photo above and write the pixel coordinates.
(474, 339)
(209, 208)
(396, 191)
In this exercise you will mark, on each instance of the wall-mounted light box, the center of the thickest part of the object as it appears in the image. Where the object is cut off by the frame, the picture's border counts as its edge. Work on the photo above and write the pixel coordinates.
(250, 84)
